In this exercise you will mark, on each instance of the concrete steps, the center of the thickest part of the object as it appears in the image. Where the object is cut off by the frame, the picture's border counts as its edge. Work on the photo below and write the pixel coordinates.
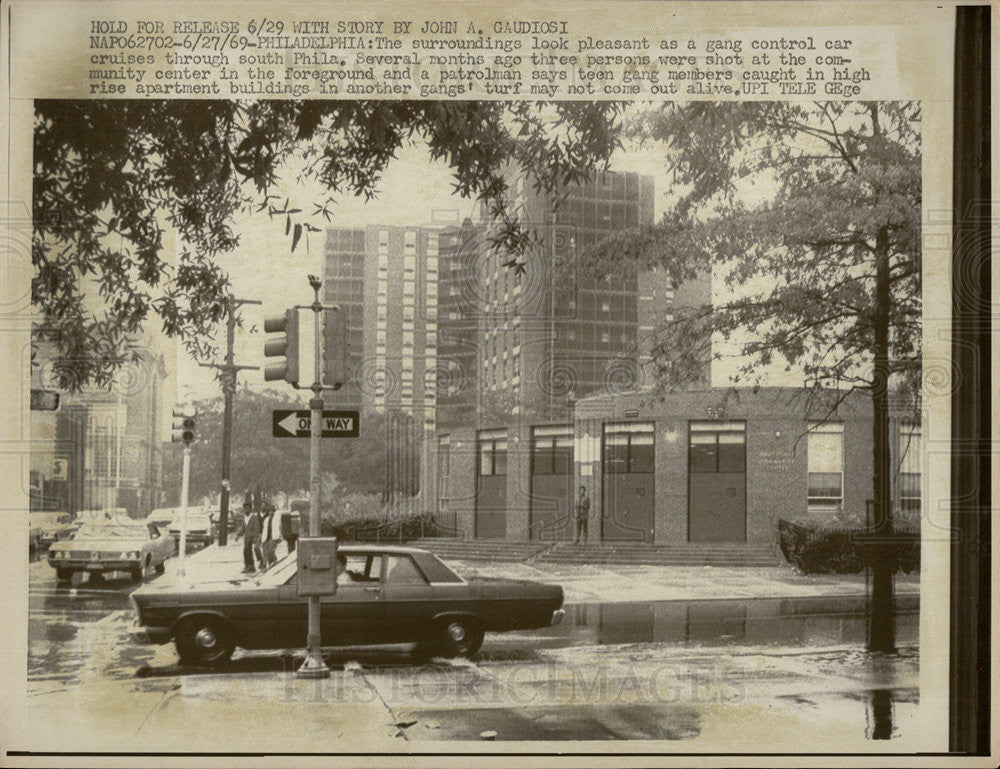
(683, 554)
(637, 553)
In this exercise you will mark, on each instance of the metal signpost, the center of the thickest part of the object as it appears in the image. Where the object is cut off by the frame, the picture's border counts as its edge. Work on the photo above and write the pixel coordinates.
(329, 363)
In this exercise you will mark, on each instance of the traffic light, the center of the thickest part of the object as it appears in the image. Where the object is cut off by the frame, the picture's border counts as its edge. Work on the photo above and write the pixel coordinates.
(334, 348)
(285, 346)
(183, 427)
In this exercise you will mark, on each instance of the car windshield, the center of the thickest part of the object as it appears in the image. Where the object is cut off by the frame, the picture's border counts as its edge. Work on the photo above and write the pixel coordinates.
(111, 531)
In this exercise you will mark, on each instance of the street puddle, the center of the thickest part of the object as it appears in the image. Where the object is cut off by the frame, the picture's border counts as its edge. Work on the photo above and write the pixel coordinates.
(812, 622)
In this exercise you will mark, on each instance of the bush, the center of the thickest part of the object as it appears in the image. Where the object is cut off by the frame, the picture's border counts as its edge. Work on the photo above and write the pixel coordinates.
(363, 529)
(840, 550)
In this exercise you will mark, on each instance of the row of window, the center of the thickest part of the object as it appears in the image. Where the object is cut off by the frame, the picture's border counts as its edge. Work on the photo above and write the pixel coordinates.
(714, 447)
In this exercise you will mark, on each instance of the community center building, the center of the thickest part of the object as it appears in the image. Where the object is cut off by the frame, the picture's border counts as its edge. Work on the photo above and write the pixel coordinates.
(706, 465)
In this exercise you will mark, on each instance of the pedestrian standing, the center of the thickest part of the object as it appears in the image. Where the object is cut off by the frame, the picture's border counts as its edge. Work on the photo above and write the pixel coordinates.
(269, 542)
(251, 537)
(582, 515)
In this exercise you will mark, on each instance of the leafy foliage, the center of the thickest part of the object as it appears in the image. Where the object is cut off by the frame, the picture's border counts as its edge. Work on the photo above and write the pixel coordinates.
(842, 550)
(356, 466)
(790, 205)
(109, 176)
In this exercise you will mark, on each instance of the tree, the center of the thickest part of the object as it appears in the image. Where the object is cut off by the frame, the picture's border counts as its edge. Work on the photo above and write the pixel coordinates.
(810, 214)
(109, 175)
(368, 464)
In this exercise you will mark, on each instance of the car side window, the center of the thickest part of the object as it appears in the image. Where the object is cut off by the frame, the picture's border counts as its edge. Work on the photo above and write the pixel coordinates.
(362, 568)
(153, 531)
(403, 571)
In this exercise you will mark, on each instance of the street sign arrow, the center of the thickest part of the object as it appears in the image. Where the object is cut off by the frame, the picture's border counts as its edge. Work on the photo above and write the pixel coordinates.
(296, 423)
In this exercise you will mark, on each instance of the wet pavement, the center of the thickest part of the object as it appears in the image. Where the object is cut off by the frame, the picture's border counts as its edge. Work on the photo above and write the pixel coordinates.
(742, 673)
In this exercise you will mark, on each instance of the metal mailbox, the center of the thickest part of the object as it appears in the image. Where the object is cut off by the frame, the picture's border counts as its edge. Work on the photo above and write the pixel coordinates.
(317, 562)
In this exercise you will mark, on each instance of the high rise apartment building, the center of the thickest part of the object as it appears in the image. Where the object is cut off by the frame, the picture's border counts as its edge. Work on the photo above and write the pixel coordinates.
(560, 331)
(442, 327)
(386, 279)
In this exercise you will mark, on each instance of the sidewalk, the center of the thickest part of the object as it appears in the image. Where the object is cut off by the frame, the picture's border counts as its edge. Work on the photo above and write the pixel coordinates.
(605, 583)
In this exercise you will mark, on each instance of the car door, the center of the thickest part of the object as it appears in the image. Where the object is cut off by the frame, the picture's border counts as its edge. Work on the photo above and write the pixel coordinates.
(410, 601)
(354, 615)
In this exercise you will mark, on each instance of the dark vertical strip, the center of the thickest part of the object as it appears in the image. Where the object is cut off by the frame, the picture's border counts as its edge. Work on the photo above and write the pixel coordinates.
(970, 459)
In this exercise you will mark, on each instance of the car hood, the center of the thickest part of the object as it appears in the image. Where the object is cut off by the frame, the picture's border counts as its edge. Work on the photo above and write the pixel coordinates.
(100, 544)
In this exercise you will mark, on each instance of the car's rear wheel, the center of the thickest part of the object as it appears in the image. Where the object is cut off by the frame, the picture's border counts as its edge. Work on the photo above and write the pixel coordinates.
(64, 575)
(459, 637)
(160, 567)
(204, 641)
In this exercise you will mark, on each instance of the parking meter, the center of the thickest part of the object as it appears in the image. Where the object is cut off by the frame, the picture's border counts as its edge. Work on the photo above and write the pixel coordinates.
(317, 563)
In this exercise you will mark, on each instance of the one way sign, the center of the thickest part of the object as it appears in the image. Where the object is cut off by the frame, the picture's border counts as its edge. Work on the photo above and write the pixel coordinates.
(287, 423)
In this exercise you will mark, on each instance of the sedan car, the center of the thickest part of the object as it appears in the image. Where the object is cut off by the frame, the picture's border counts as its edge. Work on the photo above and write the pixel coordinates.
(46, 528)
(162, 517)
(200, 528)
(385, 595)
(103, 546)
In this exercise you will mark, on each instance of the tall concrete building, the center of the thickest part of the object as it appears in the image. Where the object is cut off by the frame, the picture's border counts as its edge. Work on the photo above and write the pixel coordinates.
(559, 331)
(386, 279)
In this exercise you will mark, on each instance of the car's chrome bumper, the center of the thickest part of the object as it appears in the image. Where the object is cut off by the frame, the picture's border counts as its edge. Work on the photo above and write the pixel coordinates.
(79, 564)
(557, 616)
(149, 635)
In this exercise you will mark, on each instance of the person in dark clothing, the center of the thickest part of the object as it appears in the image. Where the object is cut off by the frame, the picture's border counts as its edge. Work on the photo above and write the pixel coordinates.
(251, 538)
(582, 515)
(269, 539)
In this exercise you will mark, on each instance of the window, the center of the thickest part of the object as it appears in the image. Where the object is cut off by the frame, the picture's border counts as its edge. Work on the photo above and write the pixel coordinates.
(717, 447)
(629, 447)
(909, 467)
(492, 452)
(825, 450)
(401, 570)
(552, 450)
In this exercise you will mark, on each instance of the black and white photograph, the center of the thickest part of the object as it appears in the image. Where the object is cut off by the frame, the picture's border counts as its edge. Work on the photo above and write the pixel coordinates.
(486, 419)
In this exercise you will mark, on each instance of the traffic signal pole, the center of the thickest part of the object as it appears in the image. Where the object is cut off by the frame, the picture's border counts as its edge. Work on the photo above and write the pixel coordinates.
(314, 665)
(329, 373)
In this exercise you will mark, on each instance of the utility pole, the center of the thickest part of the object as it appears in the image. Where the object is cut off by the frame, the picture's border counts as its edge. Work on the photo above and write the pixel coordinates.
(228, 377)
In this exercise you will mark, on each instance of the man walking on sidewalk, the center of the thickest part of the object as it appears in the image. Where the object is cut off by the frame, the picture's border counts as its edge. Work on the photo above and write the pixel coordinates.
(582, 515)
(251, 536)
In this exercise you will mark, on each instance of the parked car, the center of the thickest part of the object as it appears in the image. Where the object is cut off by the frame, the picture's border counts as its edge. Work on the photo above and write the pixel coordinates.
(104, 546)
(161, 517)
(50, 527)
(386, 595)
(200, 528)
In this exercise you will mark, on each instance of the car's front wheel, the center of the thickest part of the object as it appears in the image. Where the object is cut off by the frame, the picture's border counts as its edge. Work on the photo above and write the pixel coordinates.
(64, 575)
(459, 637)
(204, 641)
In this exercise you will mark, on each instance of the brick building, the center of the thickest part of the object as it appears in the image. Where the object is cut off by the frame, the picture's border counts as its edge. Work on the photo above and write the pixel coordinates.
(708, 465)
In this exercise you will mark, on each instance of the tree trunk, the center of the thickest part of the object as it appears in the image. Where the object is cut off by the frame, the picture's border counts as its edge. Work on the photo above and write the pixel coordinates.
(882, 631)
